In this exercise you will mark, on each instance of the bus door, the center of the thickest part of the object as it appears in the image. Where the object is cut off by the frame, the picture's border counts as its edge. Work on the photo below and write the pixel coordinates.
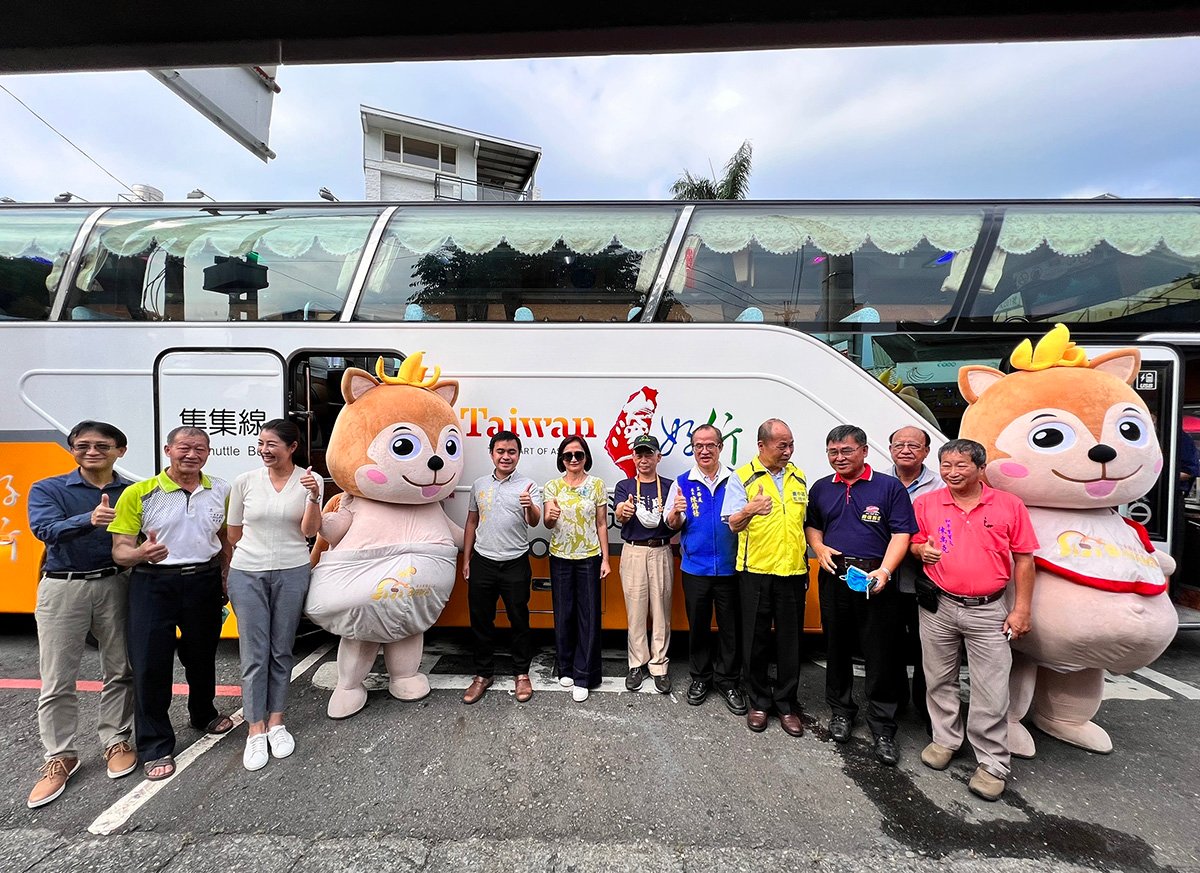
(227, 394)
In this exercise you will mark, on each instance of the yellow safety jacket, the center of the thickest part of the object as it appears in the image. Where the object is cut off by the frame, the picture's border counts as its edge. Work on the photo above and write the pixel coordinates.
(774, 544)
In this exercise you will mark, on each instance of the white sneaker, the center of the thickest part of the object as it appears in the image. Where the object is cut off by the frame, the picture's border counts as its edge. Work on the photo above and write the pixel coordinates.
(566, 681)
(255, 757)
(579, 694)
(282, 742)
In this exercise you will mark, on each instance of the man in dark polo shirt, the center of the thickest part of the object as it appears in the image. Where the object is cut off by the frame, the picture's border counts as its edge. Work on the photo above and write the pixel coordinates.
(171, 531)
(858, 517)
(81, 590)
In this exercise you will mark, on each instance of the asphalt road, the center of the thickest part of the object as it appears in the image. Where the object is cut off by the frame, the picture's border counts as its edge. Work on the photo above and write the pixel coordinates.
(620, 782)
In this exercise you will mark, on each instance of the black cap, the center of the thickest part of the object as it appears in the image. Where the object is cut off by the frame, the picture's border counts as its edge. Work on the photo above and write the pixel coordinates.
(645, 441)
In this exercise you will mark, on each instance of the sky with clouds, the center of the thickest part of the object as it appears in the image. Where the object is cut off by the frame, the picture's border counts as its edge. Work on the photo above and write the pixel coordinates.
(1071, 119)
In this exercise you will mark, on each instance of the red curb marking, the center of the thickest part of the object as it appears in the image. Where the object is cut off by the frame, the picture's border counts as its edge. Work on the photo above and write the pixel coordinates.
(178, 690)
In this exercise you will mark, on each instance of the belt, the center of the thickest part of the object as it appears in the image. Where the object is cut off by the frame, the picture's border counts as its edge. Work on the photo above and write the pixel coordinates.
(178, 569)
(972, 601)
(102, 573)
(655, 542)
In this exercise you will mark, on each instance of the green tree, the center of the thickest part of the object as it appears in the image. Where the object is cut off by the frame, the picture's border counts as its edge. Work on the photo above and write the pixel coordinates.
(733, 185)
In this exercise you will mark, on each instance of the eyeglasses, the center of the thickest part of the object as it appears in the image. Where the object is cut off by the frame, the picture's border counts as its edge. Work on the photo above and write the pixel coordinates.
(573, 456)
(915, 447)
(84, 448)
(705, 447)
(844, 452)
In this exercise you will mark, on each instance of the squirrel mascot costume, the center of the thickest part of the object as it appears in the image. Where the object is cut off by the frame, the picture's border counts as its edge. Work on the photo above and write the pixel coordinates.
(1072, 439)
(389, 565)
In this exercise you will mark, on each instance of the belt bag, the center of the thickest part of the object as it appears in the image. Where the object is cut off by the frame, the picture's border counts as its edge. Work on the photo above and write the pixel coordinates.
(927, 593)
(865, 564)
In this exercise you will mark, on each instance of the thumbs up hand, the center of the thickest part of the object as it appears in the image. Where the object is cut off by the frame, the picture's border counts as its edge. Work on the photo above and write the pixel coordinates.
(680, 502)
(553, 510)
(760, 503)
(309, 482)
(152, 550)
(625, 509)
(103, 514)
(525, 498)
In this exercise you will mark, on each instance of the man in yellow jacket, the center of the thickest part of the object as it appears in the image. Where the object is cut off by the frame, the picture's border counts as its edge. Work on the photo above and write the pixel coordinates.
(765, 503)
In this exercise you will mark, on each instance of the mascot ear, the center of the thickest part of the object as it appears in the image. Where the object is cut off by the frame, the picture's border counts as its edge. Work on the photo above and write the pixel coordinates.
(447, 390)
(356, 383)
(974, 380)
(1123, 363)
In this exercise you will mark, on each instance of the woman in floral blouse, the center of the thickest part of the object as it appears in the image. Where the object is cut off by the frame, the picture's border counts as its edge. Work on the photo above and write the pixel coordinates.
(576, 514)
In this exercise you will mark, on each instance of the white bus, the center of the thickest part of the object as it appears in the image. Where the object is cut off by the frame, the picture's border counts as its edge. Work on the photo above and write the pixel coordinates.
(603, 319)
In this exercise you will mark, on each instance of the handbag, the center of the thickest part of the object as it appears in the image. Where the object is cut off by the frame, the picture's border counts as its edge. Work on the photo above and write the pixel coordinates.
(927, 593)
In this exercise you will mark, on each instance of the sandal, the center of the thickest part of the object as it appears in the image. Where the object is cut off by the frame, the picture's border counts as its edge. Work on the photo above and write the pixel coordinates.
(167, 763)
(222, 724)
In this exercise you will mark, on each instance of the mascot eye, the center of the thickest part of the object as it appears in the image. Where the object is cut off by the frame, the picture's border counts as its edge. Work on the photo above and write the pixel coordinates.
(1133, 430)
(406, 446)
(1050, 438)
(453, 448)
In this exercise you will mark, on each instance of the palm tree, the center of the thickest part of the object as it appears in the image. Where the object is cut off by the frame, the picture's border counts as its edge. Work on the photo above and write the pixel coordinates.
(734, 185)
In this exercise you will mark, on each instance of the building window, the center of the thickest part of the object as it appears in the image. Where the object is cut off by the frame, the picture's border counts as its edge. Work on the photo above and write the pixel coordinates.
(420, 153)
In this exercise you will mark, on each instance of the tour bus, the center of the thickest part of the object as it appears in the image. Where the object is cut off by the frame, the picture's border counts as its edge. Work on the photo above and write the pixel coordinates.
(603, 319)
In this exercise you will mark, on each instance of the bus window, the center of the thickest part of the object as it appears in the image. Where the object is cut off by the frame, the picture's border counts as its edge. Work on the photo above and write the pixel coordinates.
(487, 263)
(815, 267)
(1137, 265)
(34, 244)
(219, 264)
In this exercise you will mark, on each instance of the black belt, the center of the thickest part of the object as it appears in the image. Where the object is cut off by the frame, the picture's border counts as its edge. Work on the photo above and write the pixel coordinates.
(102, 573)
(655, 542)
(178, 569)
(972, 601)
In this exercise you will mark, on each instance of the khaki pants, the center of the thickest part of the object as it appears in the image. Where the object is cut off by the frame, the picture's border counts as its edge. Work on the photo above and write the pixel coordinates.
(66, 610)
(981, 628)
(647, 581)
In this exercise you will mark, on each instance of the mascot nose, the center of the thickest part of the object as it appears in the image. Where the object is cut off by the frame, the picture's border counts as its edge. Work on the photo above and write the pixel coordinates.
(1100, 453)
(436, 463)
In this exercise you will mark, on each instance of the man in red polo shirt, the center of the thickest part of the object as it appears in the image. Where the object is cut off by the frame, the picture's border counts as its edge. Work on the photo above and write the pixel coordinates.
(967, 533)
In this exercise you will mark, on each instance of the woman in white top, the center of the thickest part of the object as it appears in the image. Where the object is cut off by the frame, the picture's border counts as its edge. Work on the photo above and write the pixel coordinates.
(272, 513)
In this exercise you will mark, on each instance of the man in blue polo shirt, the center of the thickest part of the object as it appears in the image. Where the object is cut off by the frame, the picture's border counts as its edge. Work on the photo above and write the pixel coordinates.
(708, 549)
(859, 518)
(81, 590)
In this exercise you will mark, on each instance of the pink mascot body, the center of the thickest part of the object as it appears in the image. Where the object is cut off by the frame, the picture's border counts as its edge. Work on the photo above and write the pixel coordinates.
(1073, 440)
(396, 451)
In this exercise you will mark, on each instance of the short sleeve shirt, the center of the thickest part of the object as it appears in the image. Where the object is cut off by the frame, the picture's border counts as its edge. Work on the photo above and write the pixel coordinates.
(651, 497)
(860, 519)
(977, 546)
(270, 522)
(574, 536)
(187, 524)
(502, 533)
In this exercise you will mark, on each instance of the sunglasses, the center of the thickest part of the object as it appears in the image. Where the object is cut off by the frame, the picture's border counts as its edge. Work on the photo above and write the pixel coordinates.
(573, 456)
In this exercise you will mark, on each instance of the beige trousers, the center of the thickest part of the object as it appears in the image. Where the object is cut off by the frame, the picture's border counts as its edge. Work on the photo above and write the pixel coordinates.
(66, 610)
(647, 581)
(981, 628)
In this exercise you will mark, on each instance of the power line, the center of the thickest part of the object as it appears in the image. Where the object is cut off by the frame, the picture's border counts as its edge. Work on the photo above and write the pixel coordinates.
(68, 141)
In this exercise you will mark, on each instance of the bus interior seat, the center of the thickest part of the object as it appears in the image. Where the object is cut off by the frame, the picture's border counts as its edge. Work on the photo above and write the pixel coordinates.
(523, 313)
(750, 314)
(415, 312)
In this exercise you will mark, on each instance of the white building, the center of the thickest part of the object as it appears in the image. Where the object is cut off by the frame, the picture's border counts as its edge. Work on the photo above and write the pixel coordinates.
(408, 158)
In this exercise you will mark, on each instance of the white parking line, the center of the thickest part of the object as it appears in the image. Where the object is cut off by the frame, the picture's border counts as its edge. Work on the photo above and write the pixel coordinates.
(117, 814)
(1183, 689)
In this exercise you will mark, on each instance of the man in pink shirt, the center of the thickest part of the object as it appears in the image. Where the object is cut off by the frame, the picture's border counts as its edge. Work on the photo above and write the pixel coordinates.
(971, 540)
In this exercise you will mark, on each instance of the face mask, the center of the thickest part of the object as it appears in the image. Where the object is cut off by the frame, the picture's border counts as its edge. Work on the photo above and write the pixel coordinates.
(648, 517)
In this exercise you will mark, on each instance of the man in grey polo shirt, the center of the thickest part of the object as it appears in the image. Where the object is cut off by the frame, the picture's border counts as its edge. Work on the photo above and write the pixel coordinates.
(504, 505)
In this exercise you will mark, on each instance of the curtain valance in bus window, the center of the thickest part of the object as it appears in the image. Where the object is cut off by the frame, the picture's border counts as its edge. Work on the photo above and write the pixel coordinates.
(34, 247)
(835, 234)
(530, 230)
(1134, 233)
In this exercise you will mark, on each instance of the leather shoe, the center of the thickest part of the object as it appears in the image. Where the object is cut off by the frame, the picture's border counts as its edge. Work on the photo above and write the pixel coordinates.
(697, 691)
(885, 751)
(636, 677)
(756, 720)
(839, 729)
(792, 724)
(524, 688)
(735, 700)
(478, 687)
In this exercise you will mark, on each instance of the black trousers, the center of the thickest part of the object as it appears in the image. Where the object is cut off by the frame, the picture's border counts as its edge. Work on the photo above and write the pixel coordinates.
(714, 658)
(768, 600)
(849, 620)
(508, 581)
(909, 631)
(575, 591)
(159, 603)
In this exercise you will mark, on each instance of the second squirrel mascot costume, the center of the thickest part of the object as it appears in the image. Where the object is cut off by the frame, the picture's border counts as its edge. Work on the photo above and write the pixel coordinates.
(1072, 439)
(396, 452)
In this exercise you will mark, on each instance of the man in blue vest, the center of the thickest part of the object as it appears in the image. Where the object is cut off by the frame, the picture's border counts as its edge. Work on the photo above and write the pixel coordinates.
(708, 549)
